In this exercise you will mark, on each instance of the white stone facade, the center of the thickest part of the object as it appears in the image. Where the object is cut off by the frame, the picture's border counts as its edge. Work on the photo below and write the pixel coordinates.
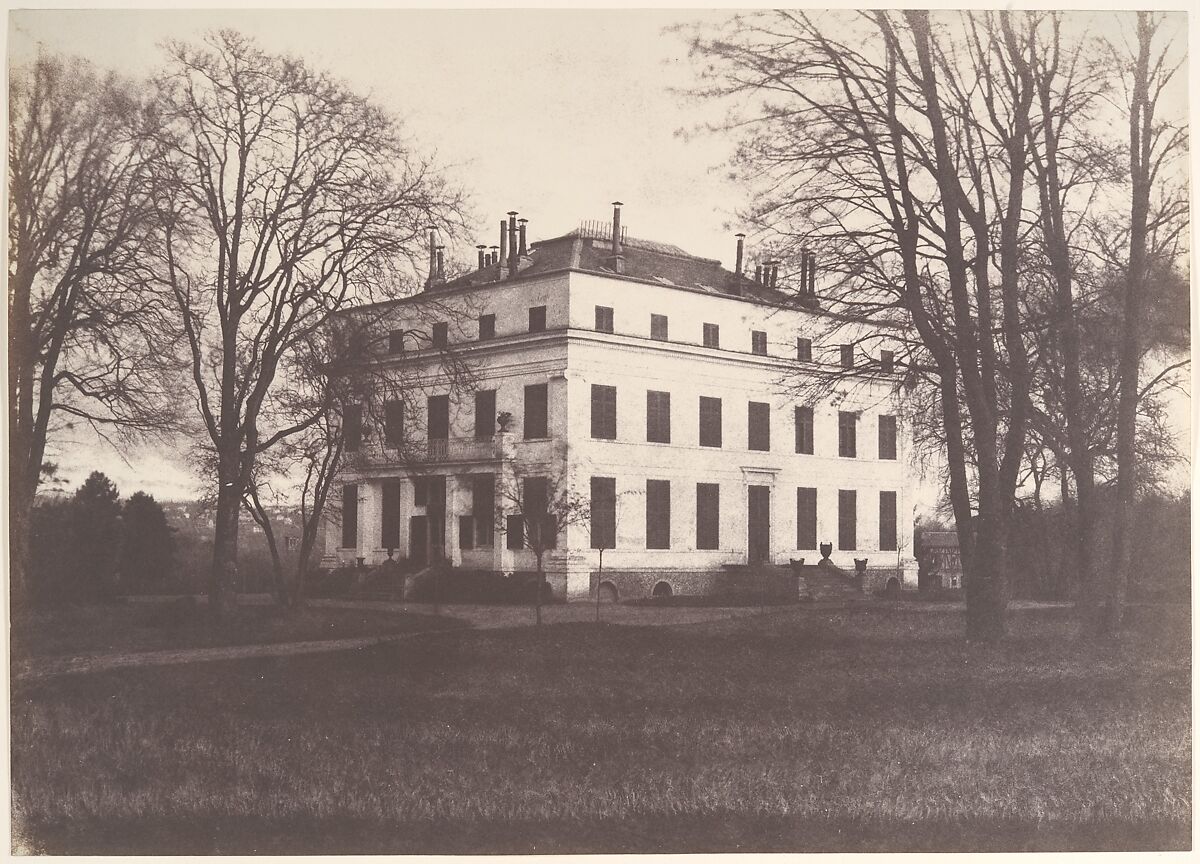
(569, 356)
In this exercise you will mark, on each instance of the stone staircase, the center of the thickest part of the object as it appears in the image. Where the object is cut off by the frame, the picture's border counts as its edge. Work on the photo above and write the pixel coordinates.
(391, 582)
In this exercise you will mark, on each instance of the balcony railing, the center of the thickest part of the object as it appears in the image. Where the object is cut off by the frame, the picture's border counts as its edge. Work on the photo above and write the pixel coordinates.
(460, 449)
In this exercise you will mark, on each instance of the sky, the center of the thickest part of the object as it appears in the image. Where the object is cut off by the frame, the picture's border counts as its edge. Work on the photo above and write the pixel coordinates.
(553, 114)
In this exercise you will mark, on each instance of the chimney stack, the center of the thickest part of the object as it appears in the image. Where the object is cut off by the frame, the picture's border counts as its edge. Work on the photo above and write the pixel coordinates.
(737, 269)
(432, 255)
(482, 258)
(618, 255)
(758, 273)
(441, 269)
(494, 255)
(811, 287)
(803, 271)
(512, 243)
(522, 251)
(503, 242)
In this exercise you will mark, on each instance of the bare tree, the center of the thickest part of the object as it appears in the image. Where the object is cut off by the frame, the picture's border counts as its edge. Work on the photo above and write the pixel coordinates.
(1153, 231)
(539, 507)
(898, 147)
(89, 342)
(295, 199)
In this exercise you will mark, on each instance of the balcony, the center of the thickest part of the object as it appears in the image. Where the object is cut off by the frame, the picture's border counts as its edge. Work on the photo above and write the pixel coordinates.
(458, 450)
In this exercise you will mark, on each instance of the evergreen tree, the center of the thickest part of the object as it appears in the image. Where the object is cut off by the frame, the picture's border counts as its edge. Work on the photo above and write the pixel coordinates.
(95, 538)
(147, 544)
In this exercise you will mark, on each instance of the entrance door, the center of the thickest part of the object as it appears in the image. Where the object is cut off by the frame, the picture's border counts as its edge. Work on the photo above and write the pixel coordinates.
(758, 523)
(418, 540)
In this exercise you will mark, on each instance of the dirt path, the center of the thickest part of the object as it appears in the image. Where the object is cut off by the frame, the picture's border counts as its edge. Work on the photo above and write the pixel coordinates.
(476, 617)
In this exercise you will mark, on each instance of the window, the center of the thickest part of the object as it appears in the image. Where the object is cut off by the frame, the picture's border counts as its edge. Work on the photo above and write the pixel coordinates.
(604, 512)
(539, 524)
(395, 341)
(806, 518)
(658, 327)
(536, 411)
(887, 436)
(712, 336)
(887, 521)
(483, 508)
(389, 521)
(485, 414)
(708, 516)
(537, 319)
(758, 341)
(710, 421)
(604, 412)
(352, 427)
(658, 416)
(847, 356)
(441, 334)
(887, 362)
(847, 519)
(439, 418)
(604, 319)
(350, 516)
(466, 532)
(804, 349)
(804, 429)
(658, 514)
(421, 491)
(759, 426)
(847, 434)
(487, 327)
(393, 425)
(514, 531)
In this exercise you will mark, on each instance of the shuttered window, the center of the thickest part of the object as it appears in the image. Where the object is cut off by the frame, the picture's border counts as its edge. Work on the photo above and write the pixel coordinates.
(536, 409)
(759, 425)
(708, 516)
(887, 521)
(847, 519)
(350, 516)
(710, 421)
(658, 514)
(604, 512)
(806, 518)
(604, 412)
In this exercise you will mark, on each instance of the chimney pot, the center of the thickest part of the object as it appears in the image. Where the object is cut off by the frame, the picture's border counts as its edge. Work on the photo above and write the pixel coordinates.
(738, 266)
(522, 251)
(482, 257)
(503, 241)
(618, 257)
(512, 243)
(758, 273)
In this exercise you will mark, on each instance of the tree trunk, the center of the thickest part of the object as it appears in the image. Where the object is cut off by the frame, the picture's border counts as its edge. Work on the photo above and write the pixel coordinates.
(20, 528)
(1141, 131)
(222, 581)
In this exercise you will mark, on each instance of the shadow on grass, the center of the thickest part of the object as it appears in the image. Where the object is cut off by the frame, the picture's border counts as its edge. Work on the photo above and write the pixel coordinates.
(663, 834)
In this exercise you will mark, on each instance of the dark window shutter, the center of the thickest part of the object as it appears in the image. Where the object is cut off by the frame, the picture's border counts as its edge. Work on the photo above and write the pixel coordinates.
(604, 411)
(658, 416)
(847, 519)
(658, 327)
(887, 436)
(658, 514)
(537, 319)
(604, 512)
(847, 434)
(804, 429)
(887, 521)
(708, 516)
(485, 414)
(759, 425)
(536, 411)
(806, 518)
(710, 421)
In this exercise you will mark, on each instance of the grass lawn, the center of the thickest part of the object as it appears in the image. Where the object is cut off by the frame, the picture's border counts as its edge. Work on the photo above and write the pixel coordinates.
(794, 731)
(150, 626)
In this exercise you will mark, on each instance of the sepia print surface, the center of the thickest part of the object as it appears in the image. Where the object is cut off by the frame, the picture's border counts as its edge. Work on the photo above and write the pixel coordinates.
(613, 431)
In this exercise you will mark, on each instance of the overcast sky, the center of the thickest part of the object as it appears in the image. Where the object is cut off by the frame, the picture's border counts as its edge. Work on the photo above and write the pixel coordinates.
(553, 114)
